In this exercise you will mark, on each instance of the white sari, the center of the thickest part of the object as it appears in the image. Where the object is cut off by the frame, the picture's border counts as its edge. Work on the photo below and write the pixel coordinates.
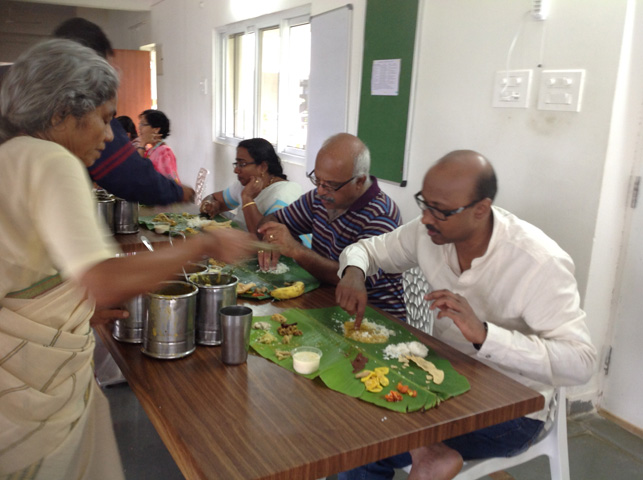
(54, 420)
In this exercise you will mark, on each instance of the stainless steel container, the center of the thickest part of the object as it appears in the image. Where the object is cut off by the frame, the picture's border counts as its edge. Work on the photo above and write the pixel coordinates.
(105, 203)
(189, 269)
(125, 216)
(215, 292)
(168, 328)
(130, 329)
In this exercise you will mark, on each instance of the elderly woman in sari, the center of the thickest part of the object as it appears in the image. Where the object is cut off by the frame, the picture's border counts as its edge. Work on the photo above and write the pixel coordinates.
(262, 189)
(57, 263)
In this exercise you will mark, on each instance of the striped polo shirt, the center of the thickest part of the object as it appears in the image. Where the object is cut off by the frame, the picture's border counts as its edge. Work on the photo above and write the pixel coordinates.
(371, 214)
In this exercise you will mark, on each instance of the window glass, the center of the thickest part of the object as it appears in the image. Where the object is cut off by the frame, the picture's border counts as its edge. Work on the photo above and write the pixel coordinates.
(269, 86)
(263, 80)
(296, 95)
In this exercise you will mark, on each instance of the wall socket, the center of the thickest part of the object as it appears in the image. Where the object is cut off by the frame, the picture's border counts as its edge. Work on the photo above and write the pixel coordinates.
(561, 90)
(511, 89)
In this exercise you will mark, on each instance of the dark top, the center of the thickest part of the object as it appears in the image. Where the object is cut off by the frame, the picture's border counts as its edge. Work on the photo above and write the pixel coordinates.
(123, 172)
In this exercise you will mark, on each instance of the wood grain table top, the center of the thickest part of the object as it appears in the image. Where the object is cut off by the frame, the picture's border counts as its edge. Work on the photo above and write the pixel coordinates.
(261, 421)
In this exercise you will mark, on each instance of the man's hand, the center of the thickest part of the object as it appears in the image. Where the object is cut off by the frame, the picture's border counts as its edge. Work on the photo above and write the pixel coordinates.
(268, 259)
(107, 315)
(188, 194)
(279, 235)
(351, 294)
(458, 309)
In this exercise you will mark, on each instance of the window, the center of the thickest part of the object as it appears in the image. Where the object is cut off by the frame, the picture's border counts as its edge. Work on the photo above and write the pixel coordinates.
(262, 75)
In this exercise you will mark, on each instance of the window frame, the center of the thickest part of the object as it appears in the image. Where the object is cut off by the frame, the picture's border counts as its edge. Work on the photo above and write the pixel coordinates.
(283, 20)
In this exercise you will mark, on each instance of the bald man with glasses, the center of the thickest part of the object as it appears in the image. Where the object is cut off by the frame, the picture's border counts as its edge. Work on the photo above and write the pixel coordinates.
(504, 293)
(347, 205)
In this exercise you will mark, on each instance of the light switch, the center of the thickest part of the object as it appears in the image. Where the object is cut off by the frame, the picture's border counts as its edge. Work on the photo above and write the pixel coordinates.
(561, 90)
(511, 89)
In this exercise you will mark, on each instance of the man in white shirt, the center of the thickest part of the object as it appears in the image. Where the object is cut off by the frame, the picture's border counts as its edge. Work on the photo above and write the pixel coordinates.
(504, 291)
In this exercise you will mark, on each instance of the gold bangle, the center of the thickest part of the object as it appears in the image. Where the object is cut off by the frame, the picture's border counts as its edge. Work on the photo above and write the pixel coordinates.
(247, 204)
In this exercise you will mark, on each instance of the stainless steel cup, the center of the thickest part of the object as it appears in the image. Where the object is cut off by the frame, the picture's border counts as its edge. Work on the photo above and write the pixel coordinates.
(215, 291)
(106, 210)
(235, 328)
(130, 329)
(125, 216)
(168, 329)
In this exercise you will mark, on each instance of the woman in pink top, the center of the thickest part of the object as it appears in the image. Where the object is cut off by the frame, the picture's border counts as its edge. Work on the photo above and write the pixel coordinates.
(154, 128)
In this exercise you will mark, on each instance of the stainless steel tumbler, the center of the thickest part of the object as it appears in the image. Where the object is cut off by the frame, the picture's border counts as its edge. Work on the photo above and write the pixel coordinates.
(235, 329)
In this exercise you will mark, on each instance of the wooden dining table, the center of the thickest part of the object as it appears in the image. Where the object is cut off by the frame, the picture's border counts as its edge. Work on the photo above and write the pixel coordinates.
(258, 420)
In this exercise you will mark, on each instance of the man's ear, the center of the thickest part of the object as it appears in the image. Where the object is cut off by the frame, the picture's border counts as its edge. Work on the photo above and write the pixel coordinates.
(361, 180)
(483, 207)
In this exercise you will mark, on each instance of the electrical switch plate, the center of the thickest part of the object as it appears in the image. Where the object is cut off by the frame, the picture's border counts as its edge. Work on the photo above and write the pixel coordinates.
(511, 89)
(561, 90)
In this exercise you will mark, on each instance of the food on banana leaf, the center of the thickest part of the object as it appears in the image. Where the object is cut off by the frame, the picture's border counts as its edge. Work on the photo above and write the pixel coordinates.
(267, 338)
(278, 317)
(282, 354)
(244, 287)
(261, 326)
(402, 349)
(376, 380)
(279, 269)
(163, 218)
(359, 362)
(369, 332)
(292, 291)
(429, 367)
(289, 329)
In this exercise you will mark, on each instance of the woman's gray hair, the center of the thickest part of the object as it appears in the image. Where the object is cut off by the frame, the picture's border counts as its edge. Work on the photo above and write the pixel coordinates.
(53, 78)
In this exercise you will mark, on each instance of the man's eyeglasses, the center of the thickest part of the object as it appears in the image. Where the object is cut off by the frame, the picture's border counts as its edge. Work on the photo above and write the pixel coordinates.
(332, 186)
(436, 212)
(143, 125)
(242, 164)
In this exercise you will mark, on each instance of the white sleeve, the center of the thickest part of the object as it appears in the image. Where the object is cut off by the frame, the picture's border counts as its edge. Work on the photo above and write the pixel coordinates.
(66, 216)
(560, 350)
(393, 252)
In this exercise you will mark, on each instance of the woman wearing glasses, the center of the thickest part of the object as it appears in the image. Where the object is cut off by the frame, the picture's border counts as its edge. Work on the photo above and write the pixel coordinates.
(262, 189)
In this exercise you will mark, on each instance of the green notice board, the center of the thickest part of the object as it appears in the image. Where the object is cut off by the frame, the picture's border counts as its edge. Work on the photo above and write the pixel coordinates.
(389, 42)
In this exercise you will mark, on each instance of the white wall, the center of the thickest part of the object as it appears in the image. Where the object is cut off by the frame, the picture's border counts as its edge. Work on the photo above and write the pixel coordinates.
(550, 165)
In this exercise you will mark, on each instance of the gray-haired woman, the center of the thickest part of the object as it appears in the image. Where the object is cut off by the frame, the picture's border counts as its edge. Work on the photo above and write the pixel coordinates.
(57, 263)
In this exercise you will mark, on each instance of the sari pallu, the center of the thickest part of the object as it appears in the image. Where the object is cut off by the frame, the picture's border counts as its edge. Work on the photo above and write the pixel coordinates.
(52, 415)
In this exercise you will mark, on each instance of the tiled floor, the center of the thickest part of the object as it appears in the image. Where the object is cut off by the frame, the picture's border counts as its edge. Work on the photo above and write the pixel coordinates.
(598, 449)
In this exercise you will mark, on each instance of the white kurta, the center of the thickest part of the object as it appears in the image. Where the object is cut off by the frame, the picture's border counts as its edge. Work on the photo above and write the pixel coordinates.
(523, 287)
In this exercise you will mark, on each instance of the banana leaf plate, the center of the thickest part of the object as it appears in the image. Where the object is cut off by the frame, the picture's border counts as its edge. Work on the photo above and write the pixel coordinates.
(323, 328)
(180, 220)
(249, 272)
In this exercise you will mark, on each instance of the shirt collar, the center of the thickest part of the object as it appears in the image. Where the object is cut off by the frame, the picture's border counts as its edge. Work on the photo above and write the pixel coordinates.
(367, 196)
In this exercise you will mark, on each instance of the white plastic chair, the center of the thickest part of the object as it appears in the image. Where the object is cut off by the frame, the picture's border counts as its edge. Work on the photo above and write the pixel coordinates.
(552, 443)
(417, 309)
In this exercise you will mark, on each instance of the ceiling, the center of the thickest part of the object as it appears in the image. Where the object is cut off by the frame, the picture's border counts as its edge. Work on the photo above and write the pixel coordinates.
(132, 5)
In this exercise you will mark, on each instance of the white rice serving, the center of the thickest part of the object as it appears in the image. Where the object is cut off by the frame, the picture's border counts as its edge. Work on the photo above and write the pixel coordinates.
(279, 268)
(409, 348)
(199, 222)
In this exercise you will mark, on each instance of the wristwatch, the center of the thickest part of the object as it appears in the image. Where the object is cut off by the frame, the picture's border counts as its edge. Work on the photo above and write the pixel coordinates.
(478, 345)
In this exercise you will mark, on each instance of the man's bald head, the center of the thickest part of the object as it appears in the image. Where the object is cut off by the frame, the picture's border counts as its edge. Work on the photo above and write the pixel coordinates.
(472, 165)
(350, 148)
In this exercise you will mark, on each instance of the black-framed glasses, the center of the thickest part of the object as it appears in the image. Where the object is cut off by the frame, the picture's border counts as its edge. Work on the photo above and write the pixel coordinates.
(436, 212)
(333, 186)
(242, 164)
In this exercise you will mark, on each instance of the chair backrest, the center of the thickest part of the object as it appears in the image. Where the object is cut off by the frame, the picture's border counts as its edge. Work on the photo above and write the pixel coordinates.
(417, 309)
